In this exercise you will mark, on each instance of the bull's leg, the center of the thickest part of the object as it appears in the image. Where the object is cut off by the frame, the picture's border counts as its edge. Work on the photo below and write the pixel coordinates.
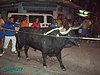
(34, 49)
(18, 51)
(60, 61)
(44, 55)
(26, 51)
(19, 47)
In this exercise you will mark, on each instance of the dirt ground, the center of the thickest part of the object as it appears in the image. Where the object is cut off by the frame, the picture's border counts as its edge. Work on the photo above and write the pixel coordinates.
(83, 60)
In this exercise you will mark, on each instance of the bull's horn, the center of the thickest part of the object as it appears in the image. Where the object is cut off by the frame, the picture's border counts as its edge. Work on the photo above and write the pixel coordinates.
(53, 30)
(75, 28)
(71, 28)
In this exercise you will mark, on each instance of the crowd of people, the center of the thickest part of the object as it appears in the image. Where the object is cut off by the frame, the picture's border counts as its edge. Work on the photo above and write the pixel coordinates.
(7, 35)
(67, 23)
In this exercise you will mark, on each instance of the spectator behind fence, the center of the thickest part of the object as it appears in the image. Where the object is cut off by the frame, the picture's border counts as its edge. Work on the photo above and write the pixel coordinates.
(59, 21)
(1, 35)
(80, 21)
(25, 22)
(10, 34)
(19, 23)
(64, 22)
(70, 23)
(36, 24)
(85, 25)
(54, 24)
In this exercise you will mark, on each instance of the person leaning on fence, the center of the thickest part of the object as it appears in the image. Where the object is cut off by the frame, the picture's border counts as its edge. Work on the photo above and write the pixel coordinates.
(54, 24)
(1, 35)
(10, 34)
(24, 22)
(59, 21)
(18, 21)
(85, 25)
(36, 24)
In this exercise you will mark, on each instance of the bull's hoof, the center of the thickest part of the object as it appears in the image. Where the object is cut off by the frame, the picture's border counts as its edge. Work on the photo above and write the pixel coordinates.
(79, 45)
(4, 52)
(1, 55)
(18, 58)
(28, 59)
(64, 69)
(34, 49)
(45, 67)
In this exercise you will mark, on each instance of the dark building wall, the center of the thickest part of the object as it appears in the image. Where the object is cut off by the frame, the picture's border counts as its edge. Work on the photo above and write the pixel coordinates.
(16, 1)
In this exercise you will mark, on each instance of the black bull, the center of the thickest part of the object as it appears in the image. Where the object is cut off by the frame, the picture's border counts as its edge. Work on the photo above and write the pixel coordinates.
(48, 45)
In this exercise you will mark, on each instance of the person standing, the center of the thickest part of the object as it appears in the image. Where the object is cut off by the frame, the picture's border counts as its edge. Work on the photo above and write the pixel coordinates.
(19, 23)
(10, 34)
(59, 21)
(64, 19)
(54, 24)
(36, 24)
(85, 25)
(1, 35)
(25, 22)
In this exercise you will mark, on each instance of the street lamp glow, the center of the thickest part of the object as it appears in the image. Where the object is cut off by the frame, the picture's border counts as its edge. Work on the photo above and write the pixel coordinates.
(81, 11)
(83, 15)
(85, 12)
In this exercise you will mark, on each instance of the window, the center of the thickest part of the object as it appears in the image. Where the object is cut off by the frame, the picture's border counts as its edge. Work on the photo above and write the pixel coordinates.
(32, 18)
(21, 17)
(49, 19)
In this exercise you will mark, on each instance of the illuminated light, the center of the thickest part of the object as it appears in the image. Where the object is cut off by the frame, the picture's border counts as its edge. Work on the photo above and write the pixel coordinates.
(81, 11)
(86, 12)
(56, 25)
(83, 15)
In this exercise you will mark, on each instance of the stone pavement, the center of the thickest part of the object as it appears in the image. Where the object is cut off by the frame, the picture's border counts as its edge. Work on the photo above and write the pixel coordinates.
(78, 61)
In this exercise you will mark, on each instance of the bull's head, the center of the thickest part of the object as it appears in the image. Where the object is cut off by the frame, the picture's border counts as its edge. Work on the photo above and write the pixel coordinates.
(62, 30)
(69, 32)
